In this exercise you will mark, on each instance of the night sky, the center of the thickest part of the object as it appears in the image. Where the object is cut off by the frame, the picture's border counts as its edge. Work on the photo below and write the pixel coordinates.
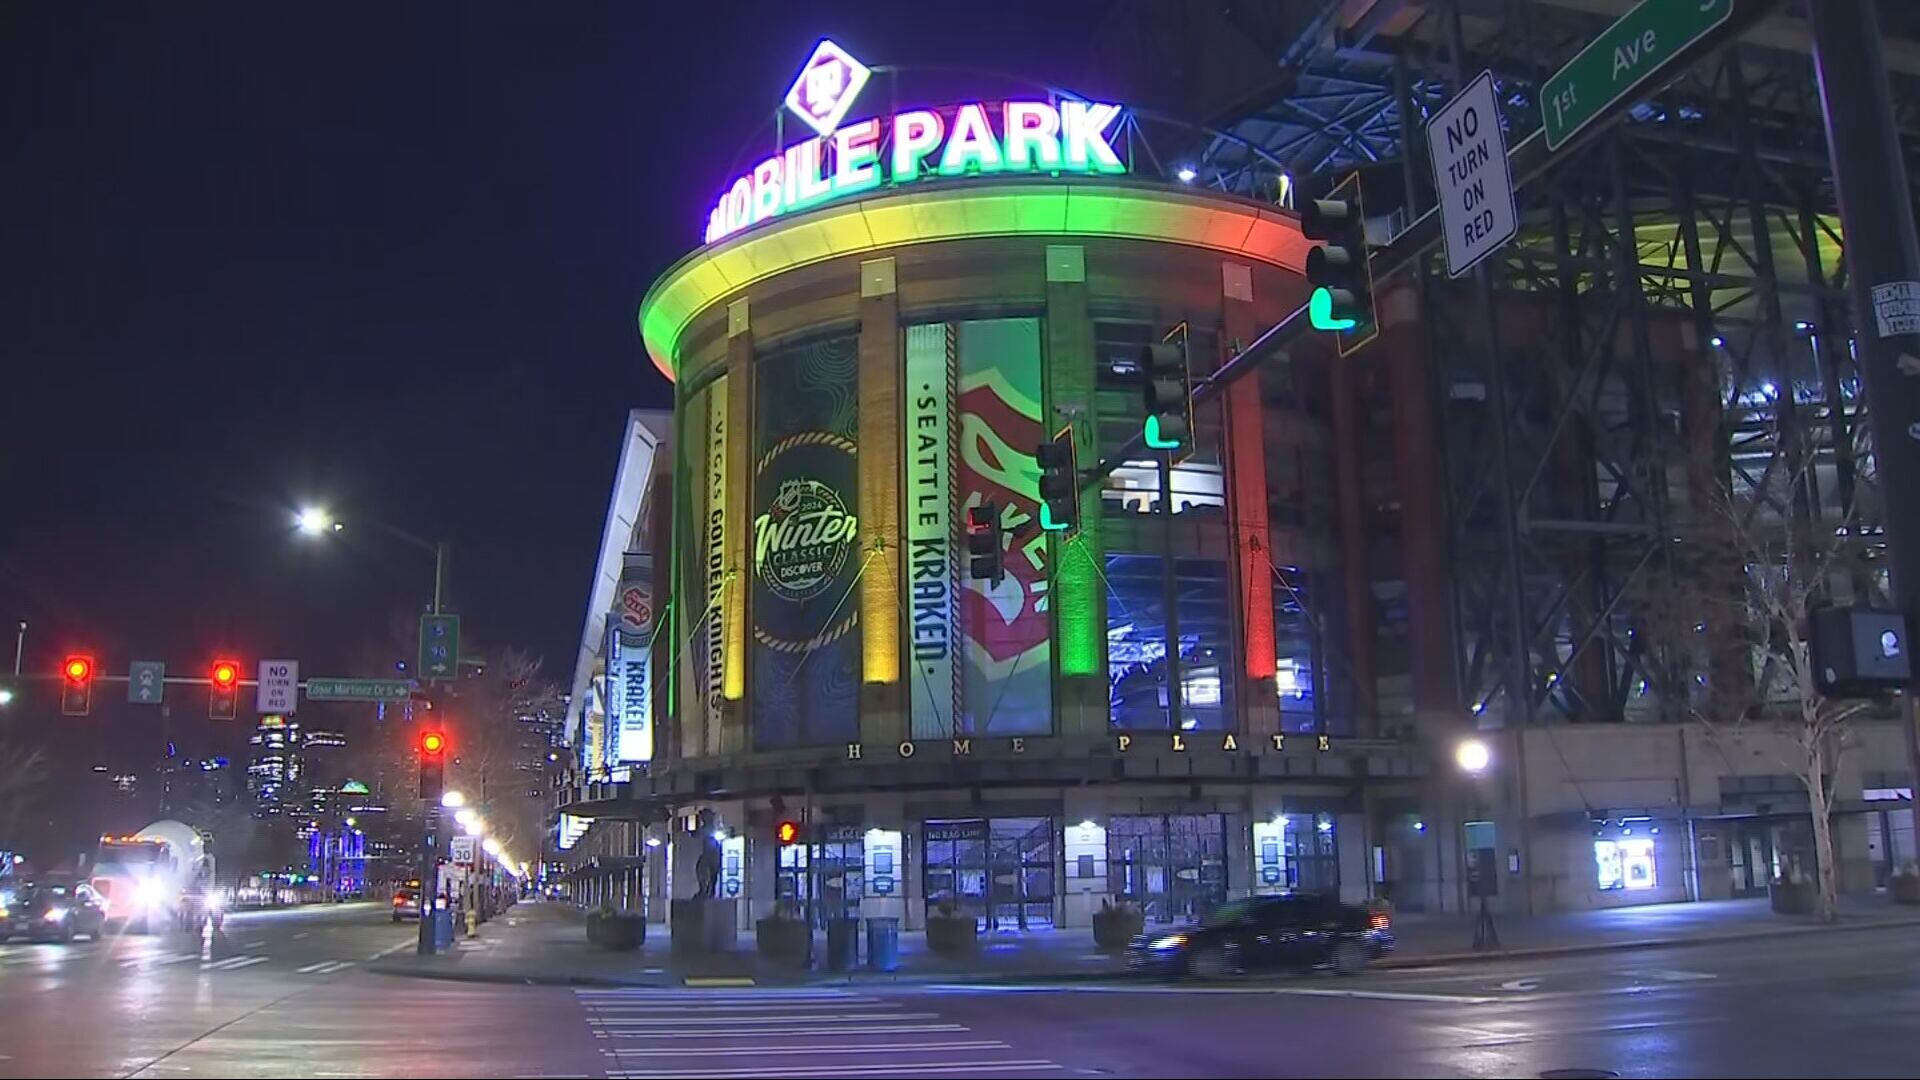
(380, 256)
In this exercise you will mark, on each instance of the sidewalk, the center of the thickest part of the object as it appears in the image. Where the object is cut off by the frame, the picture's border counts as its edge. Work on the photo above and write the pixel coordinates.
(547, 943)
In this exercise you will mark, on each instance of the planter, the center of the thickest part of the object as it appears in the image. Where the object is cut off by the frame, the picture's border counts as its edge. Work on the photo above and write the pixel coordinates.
(1794, 897)
(1905, 888)
(787, 942)
(616, 931)
(953, 935)
(1113, 928)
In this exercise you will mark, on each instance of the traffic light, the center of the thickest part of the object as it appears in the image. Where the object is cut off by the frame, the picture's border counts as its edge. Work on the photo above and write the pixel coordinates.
(787, 832)
(986, 562)
(1342, 298)
(1167, 392)
(76, 686)
(223, 697)
(1059, 483)
(433, 766)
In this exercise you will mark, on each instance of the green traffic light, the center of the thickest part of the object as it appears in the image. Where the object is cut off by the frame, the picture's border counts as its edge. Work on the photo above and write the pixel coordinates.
(1154, 441)
(1320, 314)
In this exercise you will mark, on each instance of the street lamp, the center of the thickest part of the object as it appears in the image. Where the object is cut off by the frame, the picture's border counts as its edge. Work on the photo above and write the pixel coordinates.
(1473, 756)
(6, 695)
(316, 521)
(476, 827)
(453, 800)
(491, 846)
(467, 815)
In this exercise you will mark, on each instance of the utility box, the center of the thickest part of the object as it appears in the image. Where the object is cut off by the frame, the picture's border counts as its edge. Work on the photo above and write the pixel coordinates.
(1858, 652)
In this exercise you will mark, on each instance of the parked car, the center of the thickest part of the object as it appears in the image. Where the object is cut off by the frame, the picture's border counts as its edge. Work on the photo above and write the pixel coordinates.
(1265, 933)
(53, 911)
(406, 904)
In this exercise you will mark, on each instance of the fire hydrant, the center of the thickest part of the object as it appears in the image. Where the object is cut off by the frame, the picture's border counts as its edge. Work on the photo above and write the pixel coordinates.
(473, 922)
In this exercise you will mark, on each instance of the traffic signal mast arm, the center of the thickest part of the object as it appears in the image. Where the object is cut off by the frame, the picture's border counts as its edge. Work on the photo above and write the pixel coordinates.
(1526, 161)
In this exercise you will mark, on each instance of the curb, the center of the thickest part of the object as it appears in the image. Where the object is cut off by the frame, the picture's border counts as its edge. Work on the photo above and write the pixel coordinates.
(1758, 933)
(844, 979)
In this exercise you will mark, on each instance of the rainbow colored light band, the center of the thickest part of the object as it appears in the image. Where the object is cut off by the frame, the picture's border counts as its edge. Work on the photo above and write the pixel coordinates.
(933, 211)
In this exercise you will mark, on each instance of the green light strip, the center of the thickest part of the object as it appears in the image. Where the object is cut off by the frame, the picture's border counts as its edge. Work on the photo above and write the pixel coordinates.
(925, 213)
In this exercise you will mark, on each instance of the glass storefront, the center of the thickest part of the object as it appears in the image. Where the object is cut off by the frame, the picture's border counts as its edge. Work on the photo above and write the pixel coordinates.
(1173, 865)
(999, 870)
(825, 879)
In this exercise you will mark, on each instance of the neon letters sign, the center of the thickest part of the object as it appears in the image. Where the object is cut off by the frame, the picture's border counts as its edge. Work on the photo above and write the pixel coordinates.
(977, 138)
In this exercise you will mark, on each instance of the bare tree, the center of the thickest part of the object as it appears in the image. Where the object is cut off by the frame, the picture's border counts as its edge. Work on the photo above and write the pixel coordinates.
(1729, 631)
(499, 761)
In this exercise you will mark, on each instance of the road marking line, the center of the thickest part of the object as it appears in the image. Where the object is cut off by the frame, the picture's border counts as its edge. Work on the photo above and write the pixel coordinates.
(698, 981)
(1384, 995)
(783, 1051)
(917, 1029)
(916, 1068)
(302, 934)
(232, 963)
(740, 1021)
(732, 1007)
(391, 949)
(316, 967)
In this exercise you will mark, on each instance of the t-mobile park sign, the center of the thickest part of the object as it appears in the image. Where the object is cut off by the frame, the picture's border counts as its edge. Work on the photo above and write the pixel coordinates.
(974, 138)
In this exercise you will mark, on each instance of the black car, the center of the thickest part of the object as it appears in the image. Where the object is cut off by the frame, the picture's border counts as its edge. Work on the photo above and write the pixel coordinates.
(54, 911)
(1265, 933)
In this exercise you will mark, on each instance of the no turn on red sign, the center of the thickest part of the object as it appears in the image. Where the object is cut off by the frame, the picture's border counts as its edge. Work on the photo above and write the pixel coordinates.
(1469, 154)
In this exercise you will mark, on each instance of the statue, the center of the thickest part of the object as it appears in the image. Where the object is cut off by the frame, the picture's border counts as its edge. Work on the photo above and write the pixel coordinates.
(706, 870)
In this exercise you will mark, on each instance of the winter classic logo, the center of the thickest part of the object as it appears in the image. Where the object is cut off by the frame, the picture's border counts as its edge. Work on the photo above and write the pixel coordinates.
(803, 540)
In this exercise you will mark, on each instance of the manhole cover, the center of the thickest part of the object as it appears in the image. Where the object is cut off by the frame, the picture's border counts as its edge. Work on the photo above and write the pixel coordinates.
(1579, 1074)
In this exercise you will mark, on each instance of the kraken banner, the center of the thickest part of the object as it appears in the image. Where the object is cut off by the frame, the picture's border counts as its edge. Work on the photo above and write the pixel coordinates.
(1008, 633)
(931, 557)
(806, 547)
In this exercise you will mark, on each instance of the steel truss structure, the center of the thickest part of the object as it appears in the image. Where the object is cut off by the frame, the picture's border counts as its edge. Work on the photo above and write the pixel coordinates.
(1672, 322)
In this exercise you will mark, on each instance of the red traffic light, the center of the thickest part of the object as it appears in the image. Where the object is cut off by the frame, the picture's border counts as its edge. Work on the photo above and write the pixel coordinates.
(787, 832)
(78, 669)
(432, 742)
(226, 674)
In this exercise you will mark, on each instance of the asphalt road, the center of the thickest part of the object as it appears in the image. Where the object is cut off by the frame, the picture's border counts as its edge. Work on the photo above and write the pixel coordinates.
(288, 995)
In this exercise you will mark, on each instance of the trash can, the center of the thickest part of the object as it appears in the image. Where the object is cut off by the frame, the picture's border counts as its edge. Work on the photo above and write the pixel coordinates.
(843, 944)
(442, 929)
(883, 944)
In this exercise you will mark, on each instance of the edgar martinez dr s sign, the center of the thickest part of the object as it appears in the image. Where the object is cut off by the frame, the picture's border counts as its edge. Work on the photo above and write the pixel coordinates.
(975, 137)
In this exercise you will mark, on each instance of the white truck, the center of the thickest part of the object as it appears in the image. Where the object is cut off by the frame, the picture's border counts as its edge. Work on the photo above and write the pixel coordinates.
(156, 877)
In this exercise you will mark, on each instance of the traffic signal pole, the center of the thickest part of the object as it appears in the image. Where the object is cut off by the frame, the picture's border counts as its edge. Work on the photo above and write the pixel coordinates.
(1527, 161)
(1883, 272)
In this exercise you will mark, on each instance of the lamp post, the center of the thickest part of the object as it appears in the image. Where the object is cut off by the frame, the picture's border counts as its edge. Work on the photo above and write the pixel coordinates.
(317, 521)
(1474, 758)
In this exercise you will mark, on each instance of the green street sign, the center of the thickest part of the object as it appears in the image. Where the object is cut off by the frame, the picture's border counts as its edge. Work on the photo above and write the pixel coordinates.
(439, 646)
(358, 689)
(146, 682)
(1624, 56)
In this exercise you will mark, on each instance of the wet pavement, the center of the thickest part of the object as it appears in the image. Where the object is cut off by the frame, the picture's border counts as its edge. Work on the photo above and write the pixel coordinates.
(290, 995)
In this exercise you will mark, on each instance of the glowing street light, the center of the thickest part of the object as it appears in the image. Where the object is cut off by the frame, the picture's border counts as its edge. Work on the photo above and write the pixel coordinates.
(467, 815)
(476, 827)
(316, 521)
(1473, 756)
(491, 846)
(453, 800)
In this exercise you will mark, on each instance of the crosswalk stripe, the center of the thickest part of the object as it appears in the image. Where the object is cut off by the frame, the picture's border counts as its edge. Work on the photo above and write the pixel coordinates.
(785, 1051)
(970, 1068)
(742, 1023)
(834, 1033)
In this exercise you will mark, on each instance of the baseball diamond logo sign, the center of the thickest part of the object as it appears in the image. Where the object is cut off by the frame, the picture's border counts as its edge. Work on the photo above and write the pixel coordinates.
(827, 85)
(803, 540)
